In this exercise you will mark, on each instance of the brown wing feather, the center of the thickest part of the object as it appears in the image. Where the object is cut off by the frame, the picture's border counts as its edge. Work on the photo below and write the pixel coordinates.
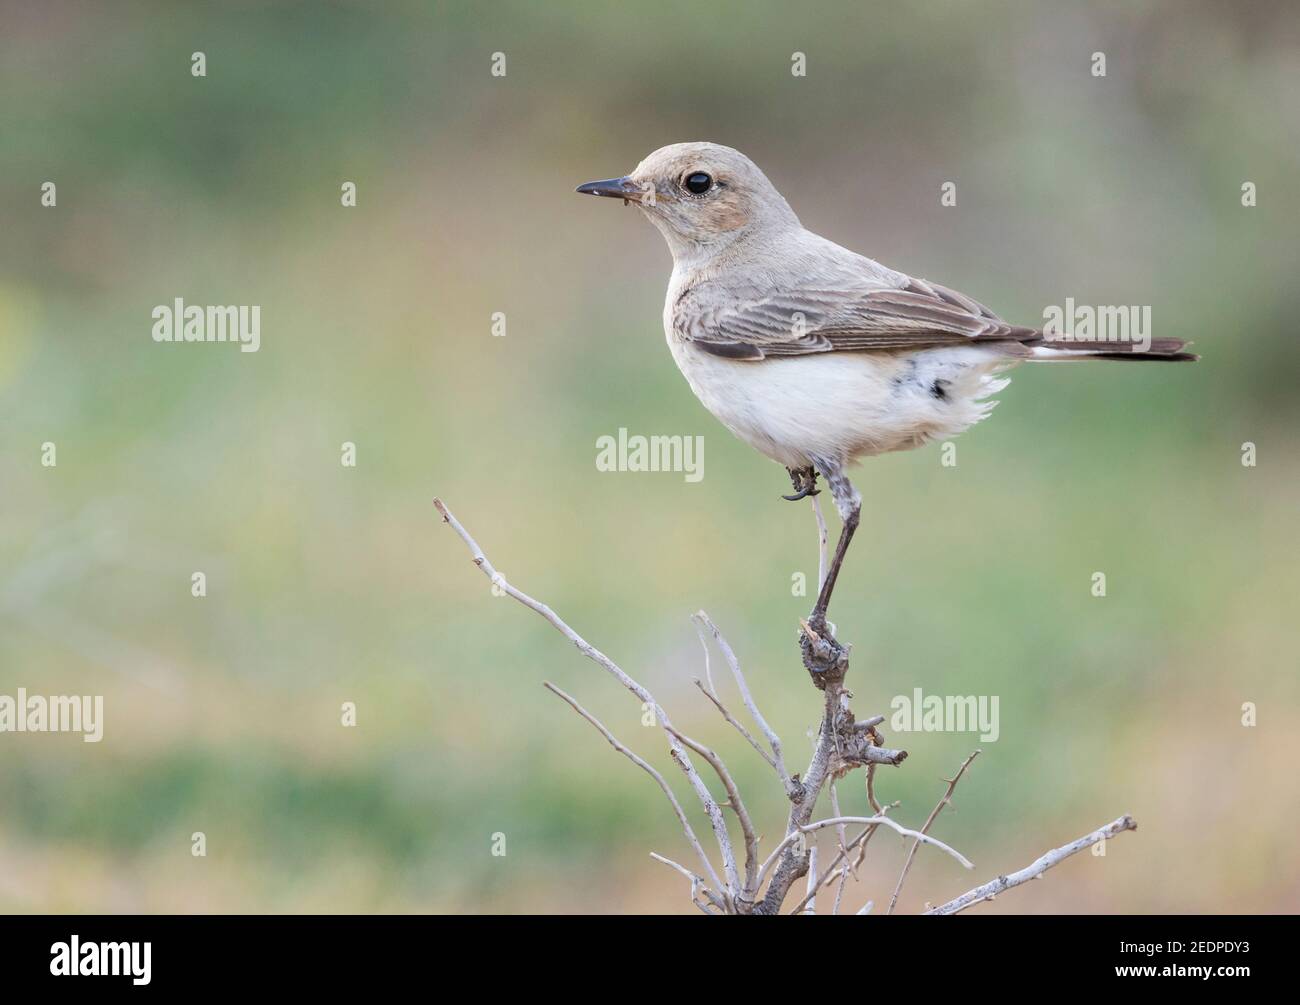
(797, 323)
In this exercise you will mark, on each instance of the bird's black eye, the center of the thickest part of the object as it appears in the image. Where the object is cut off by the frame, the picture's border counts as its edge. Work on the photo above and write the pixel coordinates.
(698, 183)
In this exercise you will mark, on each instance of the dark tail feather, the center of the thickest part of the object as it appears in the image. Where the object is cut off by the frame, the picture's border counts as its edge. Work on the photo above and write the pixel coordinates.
(1167, 350)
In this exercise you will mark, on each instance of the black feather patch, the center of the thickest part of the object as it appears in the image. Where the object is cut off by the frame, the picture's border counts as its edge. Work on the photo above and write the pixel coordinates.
(731, 350)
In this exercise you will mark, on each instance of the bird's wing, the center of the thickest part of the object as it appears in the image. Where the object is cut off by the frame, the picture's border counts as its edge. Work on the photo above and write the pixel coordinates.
(850, 315)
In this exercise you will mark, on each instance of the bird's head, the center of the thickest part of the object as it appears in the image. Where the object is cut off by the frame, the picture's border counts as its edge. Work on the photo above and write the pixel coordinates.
(703, 197)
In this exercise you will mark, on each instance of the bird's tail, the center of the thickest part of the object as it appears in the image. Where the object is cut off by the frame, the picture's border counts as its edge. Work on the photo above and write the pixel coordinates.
(1169, 350)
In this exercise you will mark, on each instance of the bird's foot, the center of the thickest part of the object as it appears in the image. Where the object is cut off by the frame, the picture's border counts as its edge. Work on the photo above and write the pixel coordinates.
(824, 657)
(804, 481)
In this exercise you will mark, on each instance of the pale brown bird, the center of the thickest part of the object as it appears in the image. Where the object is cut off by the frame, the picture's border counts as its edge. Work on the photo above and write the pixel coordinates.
(812, 354)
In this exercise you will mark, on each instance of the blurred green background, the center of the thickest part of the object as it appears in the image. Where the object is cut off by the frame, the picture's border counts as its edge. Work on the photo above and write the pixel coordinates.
(329, 584)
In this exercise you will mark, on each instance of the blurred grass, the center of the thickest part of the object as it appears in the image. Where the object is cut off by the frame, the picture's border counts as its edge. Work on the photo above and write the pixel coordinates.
(329, 584)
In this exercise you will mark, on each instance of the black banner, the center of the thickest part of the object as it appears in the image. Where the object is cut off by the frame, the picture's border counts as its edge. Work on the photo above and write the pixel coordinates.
(296, 953)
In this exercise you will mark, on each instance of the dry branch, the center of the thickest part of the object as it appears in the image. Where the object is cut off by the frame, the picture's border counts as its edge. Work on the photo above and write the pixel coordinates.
(726, 714)
(697, 884)
(911, 853)
(650, 770)
(842, 744)
(737, 804)
(742, 685)
(893, 825)
(1035, 869)
(860, 842)
(676, 750)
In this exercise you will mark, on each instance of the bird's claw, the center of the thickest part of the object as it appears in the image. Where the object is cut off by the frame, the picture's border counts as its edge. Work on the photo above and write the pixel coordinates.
(804, 481)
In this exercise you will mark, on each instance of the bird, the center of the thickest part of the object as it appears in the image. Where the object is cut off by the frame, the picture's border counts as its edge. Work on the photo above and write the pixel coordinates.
(814, 355)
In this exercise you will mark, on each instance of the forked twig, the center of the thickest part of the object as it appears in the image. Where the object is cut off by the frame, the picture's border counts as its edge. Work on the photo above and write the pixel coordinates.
(860, 842)
(676, 750)
(649, 769)
(737, 805)
(804, 829)
(911, 852)
(893, 825)
(729, 655)
(697, 884)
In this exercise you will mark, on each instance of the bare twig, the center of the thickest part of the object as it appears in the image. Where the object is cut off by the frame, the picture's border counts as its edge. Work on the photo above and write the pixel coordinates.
(737, 804)
(911, 852)
(822, 539)
(726, 714)
(866, 838)
(773, 740)
(697, 884)
(804, 829)
(708, 663)
(1035, 869)
(894, 825)
(650, 770)
(860, 842)
(840, 831)
(839, 890)
(810, 901)
(871, 790)
(676, 751)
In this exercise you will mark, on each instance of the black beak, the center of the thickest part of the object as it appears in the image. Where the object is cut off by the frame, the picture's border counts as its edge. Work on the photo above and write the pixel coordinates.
(613, 188)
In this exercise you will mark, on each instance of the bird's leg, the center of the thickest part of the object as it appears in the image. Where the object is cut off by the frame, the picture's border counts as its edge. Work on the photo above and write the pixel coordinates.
(804, 481)
(825, 659)
(849, 503)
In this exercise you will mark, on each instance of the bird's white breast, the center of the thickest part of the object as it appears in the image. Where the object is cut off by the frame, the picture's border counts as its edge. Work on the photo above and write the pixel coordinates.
(841, 405)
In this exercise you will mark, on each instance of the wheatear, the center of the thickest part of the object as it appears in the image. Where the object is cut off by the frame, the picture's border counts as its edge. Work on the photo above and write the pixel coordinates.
(810, 353)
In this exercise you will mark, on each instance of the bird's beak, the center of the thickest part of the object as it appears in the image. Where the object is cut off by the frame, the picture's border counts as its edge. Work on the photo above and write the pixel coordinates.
(615, 188)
